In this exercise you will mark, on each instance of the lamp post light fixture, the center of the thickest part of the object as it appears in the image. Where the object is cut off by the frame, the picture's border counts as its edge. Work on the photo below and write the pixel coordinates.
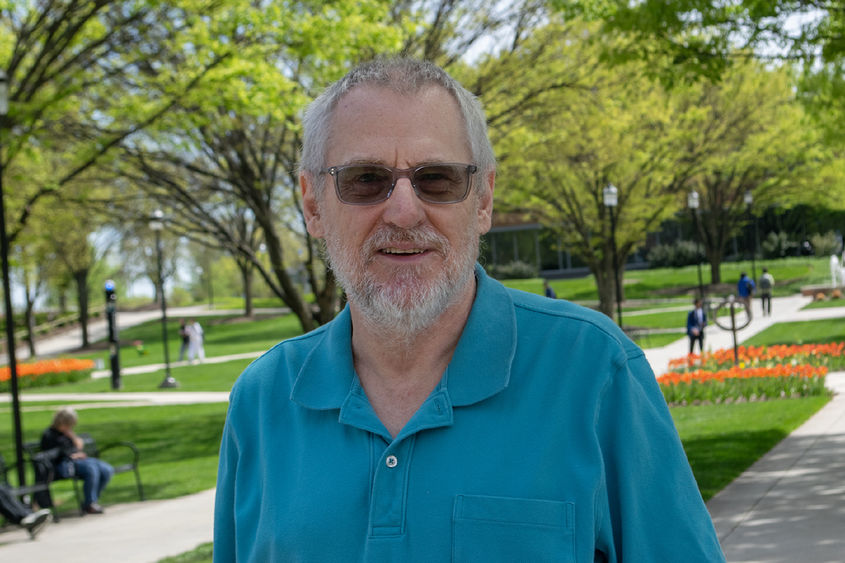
(748, 198)
(7, 295)
(610, 196)
(693, 204)
(157, 224)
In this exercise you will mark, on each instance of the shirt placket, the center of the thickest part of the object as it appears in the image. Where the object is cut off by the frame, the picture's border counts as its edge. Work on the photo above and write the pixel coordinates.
(390, 487)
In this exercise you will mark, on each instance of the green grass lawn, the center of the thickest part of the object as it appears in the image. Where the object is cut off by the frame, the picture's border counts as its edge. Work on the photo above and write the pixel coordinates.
(656, 340)
(198, 377)
(178, 446)
(223, 335)
(722, 441)
(659, 283)
(801, 332)
(825, 304)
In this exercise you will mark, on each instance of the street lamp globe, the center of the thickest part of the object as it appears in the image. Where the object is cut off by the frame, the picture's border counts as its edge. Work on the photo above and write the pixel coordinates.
(157, 220)
(748, 198)
(692, 200)
(610, 195)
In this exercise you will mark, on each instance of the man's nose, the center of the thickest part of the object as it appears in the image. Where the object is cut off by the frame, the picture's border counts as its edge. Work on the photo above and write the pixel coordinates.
(403, 208)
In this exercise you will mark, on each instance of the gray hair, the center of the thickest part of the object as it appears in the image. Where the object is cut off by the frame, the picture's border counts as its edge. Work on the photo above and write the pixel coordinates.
(65, 416)
(405, 76)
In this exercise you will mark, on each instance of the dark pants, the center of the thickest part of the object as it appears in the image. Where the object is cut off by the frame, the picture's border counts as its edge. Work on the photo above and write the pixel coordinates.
(10, 507)
(700, 338)
(766, 301)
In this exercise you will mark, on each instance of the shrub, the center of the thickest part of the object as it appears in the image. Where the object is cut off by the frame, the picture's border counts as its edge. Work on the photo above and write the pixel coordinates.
(675, 255)
(778, 245)
(824, 244)
(513, 271)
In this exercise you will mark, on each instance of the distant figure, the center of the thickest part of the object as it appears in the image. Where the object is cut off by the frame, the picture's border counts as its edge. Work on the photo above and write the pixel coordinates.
(70, 459)
(195, 345)
(745, 289)
(550, 293)
(835, 271)
(186, 339)
(767, 282)
(696, 321)
(18, 513)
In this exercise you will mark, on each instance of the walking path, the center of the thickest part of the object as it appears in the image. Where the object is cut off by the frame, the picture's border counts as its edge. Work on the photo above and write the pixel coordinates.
(789, 506)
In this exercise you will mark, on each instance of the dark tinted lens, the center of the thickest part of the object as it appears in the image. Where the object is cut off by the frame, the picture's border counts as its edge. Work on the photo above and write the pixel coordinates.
(441, 183)
(363, 184)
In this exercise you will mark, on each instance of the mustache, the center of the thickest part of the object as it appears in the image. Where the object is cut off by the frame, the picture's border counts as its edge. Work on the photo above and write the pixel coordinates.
(390, 235)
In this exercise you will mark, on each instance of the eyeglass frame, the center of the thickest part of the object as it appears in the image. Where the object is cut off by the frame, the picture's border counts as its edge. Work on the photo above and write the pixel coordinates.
(399, 173)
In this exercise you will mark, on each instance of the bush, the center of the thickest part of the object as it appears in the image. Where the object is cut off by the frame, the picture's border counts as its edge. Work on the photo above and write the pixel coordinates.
(778, 245)
(824, 244)
(675, 255)
(513, 271)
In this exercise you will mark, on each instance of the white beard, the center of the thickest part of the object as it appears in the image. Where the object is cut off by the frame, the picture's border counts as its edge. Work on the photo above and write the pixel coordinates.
(404, 305)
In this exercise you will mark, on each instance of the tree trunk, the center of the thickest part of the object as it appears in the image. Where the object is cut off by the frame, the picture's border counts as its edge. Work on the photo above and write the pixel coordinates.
(30, 323)
(81, 279)
(246, 269)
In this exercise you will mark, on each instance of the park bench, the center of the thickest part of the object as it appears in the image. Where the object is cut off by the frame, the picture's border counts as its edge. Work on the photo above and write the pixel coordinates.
(45, 473)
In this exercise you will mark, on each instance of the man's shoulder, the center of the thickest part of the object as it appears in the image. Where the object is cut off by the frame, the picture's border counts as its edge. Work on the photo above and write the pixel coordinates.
(542, 313)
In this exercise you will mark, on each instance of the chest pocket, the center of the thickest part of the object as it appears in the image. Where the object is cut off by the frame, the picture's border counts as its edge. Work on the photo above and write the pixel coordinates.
(490, 529)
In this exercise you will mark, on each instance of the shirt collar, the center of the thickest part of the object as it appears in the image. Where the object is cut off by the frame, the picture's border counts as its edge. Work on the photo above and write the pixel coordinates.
(479, 369)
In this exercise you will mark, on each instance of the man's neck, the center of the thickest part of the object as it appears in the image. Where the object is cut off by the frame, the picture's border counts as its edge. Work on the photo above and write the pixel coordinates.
(399, 374)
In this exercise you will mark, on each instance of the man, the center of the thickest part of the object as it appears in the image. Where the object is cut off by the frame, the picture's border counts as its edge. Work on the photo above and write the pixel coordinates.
(431, 420)
(767, 282)
(745, 290)
(696, 321)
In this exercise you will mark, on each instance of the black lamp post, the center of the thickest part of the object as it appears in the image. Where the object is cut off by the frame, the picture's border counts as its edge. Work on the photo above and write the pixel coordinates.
(748, 198)
(7, 294)
(611, 200)
(157, 224)
(692, 203)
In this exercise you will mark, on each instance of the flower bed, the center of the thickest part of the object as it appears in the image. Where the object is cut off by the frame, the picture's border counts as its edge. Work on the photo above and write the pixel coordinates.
(743, 384)
(831, 355)
(763, 372)
(47, 372)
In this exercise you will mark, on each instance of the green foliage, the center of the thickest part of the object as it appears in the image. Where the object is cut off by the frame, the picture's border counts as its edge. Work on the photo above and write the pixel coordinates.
(751, 389)
(825, 244)
(513, 271)
(778, 245)
(674, 255)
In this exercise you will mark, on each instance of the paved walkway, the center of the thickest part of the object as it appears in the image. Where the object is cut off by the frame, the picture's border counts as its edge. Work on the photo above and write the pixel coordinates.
(789, 506)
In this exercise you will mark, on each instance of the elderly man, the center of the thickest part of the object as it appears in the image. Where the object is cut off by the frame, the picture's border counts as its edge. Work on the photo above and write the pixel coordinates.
(441, 416)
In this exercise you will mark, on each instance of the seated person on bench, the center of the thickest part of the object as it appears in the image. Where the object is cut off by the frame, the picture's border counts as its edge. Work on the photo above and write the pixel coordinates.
(70, 459)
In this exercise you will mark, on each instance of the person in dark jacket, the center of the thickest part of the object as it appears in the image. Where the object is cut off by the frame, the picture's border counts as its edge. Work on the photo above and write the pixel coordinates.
(696, 321)
(70, 459)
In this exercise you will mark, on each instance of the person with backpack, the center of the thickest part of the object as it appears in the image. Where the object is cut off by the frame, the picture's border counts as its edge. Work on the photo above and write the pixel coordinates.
(745, 290)
(767, 282)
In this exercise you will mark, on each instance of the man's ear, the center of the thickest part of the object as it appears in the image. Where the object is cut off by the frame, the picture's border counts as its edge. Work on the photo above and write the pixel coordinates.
(485, 202)
(310, 205)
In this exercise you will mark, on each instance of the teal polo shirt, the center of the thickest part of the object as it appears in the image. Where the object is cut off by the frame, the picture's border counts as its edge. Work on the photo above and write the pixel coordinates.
(547, 439)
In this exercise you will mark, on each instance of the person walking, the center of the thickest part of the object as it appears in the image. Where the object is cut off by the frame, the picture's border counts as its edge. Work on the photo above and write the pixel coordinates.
(18, 513)
(767, 283)
(196, 348)
(745, 290)
(696, 321)
(186, 339)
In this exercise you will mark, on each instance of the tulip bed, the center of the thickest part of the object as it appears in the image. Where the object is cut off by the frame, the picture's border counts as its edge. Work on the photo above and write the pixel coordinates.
(47, 372)
(763, 372)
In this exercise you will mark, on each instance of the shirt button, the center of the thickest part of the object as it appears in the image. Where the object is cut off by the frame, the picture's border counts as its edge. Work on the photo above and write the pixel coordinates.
(391, 461)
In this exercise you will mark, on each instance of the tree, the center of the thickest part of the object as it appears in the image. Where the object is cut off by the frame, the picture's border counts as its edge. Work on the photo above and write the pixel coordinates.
(615, 127)
(747, 133)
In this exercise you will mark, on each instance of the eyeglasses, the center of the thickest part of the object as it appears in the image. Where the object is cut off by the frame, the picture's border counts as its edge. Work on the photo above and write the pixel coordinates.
(368, 184)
